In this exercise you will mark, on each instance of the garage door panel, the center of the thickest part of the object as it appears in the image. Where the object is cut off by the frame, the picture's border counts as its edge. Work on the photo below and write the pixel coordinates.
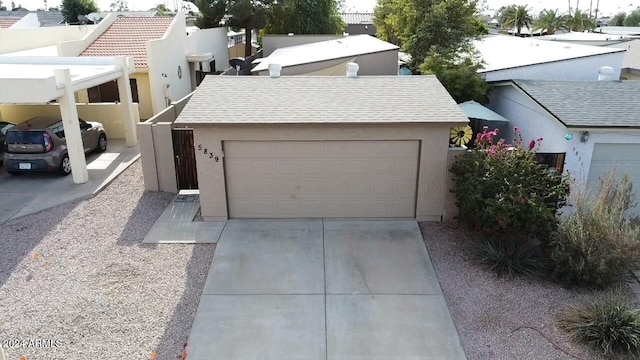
(316, 178)
(625, 157)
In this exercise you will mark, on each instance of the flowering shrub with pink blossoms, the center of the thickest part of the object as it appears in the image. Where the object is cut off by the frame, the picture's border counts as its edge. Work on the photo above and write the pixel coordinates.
(501, 190)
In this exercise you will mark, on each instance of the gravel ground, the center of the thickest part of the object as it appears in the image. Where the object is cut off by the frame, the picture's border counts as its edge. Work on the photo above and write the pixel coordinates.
(78, 274)
(486, 309)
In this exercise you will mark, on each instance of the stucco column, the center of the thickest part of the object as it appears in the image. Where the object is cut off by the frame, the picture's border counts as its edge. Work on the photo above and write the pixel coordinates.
(71, 126)
(126, 103)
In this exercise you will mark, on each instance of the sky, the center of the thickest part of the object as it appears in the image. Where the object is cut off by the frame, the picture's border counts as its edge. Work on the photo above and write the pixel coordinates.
(607, 7)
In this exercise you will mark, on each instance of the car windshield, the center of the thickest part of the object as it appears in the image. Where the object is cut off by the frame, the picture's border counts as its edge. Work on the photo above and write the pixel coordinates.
(24, 137)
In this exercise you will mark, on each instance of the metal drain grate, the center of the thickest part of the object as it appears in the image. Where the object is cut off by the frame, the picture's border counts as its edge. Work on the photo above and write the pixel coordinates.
(187, 198)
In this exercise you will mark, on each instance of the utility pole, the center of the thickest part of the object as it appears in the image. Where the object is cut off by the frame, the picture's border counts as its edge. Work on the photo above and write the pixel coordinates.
(590, 7)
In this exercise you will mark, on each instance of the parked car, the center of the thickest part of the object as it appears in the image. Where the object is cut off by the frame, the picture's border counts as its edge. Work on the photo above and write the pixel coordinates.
(39, 144)
(4, 127)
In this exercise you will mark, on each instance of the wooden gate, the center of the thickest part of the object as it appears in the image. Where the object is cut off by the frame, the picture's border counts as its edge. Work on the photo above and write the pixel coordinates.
(185, 159)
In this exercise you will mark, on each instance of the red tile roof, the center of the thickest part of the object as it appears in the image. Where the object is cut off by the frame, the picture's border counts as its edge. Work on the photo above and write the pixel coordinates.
(128, 36)
(6, 22)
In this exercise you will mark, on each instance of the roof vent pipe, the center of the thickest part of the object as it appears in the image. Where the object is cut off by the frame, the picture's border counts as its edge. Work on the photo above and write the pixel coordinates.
(352, 70)
(605, 73)
(274, 70)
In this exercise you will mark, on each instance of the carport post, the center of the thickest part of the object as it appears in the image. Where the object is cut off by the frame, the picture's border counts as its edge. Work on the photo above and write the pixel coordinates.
(124, 90)
(71, 126)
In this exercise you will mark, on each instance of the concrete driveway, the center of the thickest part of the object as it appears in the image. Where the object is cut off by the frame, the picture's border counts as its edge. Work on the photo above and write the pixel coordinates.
(322, 289)
(29, 193)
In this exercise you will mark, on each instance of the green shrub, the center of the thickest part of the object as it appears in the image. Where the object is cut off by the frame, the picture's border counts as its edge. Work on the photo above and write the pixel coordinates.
(597, 244)
(508, 258)
(501, 189)
(608, 325)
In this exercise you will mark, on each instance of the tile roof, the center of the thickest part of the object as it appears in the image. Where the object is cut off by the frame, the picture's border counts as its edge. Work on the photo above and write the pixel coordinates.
(357, 18)
(321, 100)
(588, 103)
(128, 36)
(46, 18)
(346, 47)
(6, 22)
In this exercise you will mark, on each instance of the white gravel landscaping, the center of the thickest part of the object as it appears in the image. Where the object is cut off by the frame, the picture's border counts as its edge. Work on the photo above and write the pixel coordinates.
(79, 276)
(486, 309)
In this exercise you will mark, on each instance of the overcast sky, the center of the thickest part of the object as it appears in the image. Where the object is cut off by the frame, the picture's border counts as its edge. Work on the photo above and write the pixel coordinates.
(607, 6)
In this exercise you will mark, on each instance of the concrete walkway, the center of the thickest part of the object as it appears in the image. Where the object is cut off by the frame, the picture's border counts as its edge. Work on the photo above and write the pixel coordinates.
(314, 289)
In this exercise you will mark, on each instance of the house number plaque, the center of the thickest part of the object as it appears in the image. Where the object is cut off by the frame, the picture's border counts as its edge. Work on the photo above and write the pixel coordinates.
(206, 152)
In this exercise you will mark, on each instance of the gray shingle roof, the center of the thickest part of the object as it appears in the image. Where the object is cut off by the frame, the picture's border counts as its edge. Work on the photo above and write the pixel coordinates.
(357, 18)
(318, 99)
(588, 103)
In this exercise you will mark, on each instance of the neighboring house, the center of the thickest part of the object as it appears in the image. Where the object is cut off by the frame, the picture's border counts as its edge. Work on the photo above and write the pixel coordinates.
(37, 18)
(633, 31)
(322, 146)
(7, 22)
(587, 38)
(631, 63)
(511, 57)
(586, 126)
(374, 56)
(359, 23)
(272, 42)
(169, 63)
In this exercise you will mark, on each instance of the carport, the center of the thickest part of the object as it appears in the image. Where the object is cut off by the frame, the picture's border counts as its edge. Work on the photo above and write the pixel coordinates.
(41, 80)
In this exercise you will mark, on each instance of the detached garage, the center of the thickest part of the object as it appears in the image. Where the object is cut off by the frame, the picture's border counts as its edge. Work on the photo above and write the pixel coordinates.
(351, 146)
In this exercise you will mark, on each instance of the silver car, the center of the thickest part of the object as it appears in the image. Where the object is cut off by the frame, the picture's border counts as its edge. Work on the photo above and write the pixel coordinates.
(39, 144)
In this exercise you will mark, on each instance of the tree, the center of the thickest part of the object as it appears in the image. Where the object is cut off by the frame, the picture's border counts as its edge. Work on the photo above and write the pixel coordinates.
(304, 17)
(162, 9)
(516, 16)
(72, 8)
(248, 15)
(633, 19)
(393, 19)
(550, 21)
(119, 5)
(580, 21)
(457, 70)
(618, 19)
(211, 12)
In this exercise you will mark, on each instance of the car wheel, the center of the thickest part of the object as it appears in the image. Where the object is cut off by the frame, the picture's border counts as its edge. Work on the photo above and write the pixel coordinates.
(102, 143)
(65, 165)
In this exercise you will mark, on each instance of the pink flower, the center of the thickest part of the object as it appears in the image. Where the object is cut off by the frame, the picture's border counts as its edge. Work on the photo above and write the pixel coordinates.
(532, 144)
(515, 128)
(539, 139)
(523, 201)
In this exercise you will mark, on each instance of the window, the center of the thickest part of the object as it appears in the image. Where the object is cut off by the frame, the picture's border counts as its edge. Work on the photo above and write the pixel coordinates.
(108, 92)
(552, 161)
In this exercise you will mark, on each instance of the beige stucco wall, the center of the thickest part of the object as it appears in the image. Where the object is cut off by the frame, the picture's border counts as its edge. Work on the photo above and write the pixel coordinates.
(110, 115)
(432, 178)
(144, 95)
(12, 40)
(381, 63)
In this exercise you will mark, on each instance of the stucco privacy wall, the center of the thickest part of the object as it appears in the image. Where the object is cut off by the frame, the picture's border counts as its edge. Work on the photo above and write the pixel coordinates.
(77, 46)
(12, 40)
(433, 157)
(380, 63)
(272, 42)
(585, 68)
(167, 58)
(110, 115)
(211, 41)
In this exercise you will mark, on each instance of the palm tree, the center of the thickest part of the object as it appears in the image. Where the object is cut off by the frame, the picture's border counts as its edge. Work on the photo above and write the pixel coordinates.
(580, 21)
(550, 21)
(516, 15)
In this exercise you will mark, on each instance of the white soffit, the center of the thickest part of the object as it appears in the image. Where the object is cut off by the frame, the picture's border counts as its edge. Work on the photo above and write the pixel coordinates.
(32, 79)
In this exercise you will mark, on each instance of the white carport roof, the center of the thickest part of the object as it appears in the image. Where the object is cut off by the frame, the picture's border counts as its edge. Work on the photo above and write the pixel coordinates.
(39, 80)
(32, 79)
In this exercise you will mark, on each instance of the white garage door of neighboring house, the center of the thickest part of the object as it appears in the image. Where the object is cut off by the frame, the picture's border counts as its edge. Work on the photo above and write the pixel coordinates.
(271, 179)
(624, 157)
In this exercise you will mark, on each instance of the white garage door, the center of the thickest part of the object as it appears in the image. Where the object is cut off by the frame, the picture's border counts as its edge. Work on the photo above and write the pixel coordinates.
(624, 157)
(272, 179)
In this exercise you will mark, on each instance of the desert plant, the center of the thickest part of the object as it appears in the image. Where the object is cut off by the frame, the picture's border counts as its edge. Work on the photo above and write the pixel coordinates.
(609, 325)
(598, 243)
(508, 258)
(501, 189)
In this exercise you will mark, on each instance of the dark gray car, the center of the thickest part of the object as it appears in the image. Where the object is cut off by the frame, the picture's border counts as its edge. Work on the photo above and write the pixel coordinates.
(39, 144)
